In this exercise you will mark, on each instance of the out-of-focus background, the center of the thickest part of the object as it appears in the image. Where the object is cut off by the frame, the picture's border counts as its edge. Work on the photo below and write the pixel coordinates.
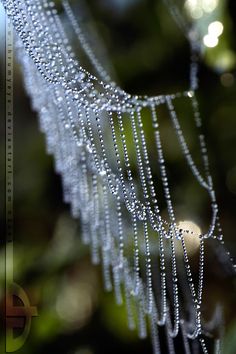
(149, 55)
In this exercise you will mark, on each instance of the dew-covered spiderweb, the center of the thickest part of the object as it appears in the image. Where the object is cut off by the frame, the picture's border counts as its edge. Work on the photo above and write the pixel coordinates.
(110, 150)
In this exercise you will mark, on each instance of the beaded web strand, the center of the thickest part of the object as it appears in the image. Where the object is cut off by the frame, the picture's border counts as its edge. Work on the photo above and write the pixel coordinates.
(89, 122)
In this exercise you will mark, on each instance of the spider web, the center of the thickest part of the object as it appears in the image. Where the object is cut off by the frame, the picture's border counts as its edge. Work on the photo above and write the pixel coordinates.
(115, 180)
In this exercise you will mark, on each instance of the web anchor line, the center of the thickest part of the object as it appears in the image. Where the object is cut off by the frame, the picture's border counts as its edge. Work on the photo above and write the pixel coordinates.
(88, 122)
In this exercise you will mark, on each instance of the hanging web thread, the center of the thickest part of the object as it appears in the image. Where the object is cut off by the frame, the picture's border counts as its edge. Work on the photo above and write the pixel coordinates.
(88, 122)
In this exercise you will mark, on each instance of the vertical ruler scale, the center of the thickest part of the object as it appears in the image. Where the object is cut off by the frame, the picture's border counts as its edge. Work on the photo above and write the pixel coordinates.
(9, 172)
(9, 151)
(16, 316)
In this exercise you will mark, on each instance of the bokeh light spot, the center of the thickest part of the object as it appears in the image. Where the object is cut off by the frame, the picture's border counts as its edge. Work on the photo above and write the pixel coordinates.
(227, 79)
(191, 233)
(215, 28)
(210, 41)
